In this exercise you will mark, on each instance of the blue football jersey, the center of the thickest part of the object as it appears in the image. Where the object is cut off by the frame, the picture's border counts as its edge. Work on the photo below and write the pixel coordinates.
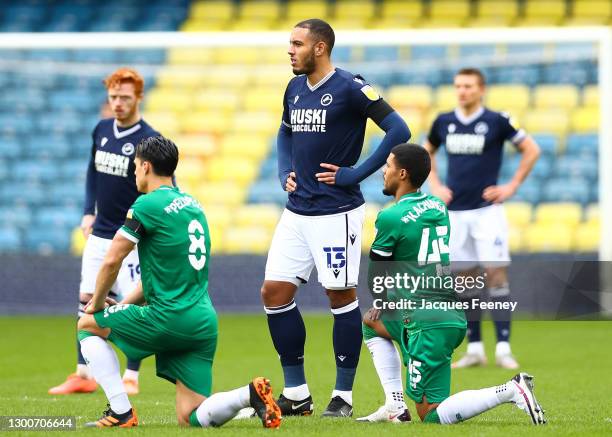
(474, 146)
(327, 124)
(111, 173)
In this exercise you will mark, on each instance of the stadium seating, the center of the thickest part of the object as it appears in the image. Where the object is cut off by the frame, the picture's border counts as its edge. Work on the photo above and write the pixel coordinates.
(222, 106)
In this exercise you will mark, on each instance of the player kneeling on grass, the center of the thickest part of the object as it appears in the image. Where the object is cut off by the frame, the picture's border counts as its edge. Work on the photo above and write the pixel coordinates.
(414, 234)
(178, 324)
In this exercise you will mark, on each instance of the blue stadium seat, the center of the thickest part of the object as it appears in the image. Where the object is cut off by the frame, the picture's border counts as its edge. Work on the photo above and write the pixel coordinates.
(267, 191)
(268, 168)
(53, 217)
(480, 51)
(56, 55)
(24, 100)
(570, 167)
(535, 50)
(341, 54)
(510, 164)
(582, 144)
(75, 101)
(31, 194)
(428, 52)
(542, 167)
(48, 240)
(10, 240)
(68, 194)
(576, 73)
(20, 217)
(529, 191)
(15, 124)
(144, 56)
(418, 76)
(65, 122)
(9, 147)
(51, 146)
(73, 170)
(381, 53)
(66, 24)
(549, 144)
(100, 56)
(371, 189)
(567, 190)
(521, 74)
(36, 170)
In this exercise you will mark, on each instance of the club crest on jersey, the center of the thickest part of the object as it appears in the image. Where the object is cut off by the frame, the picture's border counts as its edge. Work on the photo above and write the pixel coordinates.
(481, 128)
(452, 128)
(103, 142)
(127, 149)
(326, 99)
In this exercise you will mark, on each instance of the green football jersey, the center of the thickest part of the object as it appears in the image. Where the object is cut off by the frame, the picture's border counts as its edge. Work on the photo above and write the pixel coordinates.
(414, 233)
(173, 240)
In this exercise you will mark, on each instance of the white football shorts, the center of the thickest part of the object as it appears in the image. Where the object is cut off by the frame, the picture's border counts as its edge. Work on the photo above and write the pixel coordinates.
(479, 237)
(332, 243)
(93, 255)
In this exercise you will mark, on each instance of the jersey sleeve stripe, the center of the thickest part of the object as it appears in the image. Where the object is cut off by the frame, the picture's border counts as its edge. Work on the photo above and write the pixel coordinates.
(382, 252)
(128, 235)
(286, 124)
(518, 137)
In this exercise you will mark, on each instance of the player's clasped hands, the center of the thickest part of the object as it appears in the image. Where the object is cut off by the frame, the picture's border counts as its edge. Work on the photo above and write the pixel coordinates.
(90, 309)
(328, 177)
(290, 185)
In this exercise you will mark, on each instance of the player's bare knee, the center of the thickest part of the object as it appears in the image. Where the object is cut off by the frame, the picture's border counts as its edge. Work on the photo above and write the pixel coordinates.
(496, 277)
(340, 298)
(275, 293)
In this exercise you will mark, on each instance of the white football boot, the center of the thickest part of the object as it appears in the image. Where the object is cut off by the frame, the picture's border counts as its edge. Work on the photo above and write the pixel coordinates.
(470, 360)
(388, 413)
(506, 361)
(525, 399)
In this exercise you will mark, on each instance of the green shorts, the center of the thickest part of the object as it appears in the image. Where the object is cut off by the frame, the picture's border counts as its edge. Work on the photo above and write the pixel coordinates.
(178, 356)
(429, 363)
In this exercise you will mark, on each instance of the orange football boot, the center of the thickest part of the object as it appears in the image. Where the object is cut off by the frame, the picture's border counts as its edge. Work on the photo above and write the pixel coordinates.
(264, 404)
(110, 418)
(74, 384)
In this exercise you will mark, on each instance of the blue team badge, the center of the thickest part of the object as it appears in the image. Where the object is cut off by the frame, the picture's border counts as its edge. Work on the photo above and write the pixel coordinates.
(326, 99)
(127, 149)
(481, 128)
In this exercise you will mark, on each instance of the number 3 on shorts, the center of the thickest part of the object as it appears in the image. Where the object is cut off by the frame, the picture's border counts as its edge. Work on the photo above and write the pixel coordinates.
(197, 262)
(414, 372)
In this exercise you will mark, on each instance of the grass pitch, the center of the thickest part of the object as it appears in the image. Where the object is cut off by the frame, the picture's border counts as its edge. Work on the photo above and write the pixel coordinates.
(571, 362)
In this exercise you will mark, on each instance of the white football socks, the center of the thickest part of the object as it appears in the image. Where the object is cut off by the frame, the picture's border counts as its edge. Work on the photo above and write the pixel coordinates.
(466, 404)
(502, 348)
(475, 348)
(131, 374)
(298, 393)
(83, 371)
(223, 406)
(389, 369)
(104, 366)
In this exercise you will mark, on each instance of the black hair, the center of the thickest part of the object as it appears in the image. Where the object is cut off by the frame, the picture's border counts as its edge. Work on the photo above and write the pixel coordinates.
(161, 152)
(320, 30)
(415, 160)
(470, 71)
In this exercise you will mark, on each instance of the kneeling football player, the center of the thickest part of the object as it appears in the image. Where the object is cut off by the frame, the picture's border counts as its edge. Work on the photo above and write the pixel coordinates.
(414, 234)
(178, 324)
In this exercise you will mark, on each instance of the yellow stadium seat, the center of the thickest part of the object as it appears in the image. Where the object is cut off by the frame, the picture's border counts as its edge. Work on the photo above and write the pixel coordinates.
(197, 145)
(554, 121)
(446, 97)
(585, 119)
(77, 242)
(217, 100)
(299, 10)
(592, 11)
(256, 123)
(164, 122)
(367, 238)
(518, 213)
(227, 77)
(170, 79)
(271, 59)
(245, 25)
(264, 99)
(190, 170)
(239, 171)
(415, 119)
(247, 240)
(392, 23)
(212, 10)
(359, 10)
(566, 213)
(506, 10)
(445, 9)
(229, 194)
(592, 213)
(159, 100)
(216, 238)
(408, 11)
(265, 215)
(511, 97)
(587, 237)
(555, 96)
(245, 145)
(590, 95)
(548, 238)
(259, 10)
(190, 56)
(274, 76)
(416, 96)
(489, 22)
(192, 25)
(545, 8)
(205, 122)
(515, 238)
(236, 55)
